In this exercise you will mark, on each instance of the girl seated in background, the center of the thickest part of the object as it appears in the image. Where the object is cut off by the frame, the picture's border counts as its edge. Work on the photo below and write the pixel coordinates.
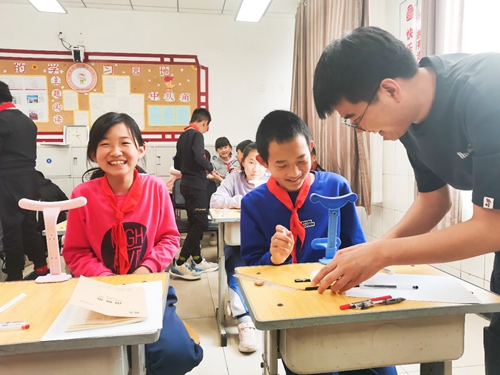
(225, 163)
(128, 227)
(229, 195)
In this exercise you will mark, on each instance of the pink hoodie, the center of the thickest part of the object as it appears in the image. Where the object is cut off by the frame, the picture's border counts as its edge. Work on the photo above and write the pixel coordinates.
(152, 235)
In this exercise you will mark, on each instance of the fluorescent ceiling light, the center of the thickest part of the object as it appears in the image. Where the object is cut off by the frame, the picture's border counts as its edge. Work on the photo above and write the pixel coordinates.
(252, 10)
(51, 6)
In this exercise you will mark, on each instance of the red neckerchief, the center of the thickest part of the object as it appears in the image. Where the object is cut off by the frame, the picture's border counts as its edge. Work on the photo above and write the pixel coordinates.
(6, 106)
(228, 164)
(296, 226)
(118, 238)
(192, 126)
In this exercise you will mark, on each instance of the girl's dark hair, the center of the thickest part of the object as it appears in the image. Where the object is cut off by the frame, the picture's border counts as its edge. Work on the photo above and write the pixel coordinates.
(101, 127)
(97, 172)
(221, 142)
(243, 144)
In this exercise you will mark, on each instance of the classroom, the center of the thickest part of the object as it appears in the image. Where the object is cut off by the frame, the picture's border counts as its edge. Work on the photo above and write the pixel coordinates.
(244, 71)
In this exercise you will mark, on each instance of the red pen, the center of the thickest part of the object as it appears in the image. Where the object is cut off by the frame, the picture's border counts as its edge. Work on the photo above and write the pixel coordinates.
(356, 304)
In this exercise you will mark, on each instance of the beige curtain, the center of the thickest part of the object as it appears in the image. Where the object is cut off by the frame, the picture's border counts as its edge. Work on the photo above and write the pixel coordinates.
(442, 24)
(339, 148)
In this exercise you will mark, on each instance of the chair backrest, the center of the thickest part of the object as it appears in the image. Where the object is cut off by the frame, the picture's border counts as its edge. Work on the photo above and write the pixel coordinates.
(179, 201)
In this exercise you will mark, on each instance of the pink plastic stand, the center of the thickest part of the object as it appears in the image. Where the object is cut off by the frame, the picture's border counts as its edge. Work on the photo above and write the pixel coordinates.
(50, 213)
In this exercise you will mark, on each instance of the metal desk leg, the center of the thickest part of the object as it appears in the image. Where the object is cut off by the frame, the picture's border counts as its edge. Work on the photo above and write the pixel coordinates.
(270, 353)
(221, 310)
(138, 360)
(436, 368)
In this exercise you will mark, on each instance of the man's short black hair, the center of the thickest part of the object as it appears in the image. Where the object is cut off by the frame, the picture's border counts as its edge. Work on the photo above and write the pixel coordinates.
(199, 115)
(279, 126)
(221, 142)
(5, 95)
(352, 68)
(243, 144)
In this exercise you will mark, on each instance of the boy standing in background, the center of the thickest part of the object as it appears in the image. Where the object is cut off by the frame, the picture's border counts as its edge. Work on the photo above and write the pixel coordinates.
(190, 160)
(284, 145)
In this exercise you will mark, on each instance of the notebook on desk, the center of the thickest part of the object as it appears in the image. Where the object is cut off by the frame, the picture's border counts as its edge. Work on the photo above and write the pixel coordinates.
(153, 322)
(96, 304)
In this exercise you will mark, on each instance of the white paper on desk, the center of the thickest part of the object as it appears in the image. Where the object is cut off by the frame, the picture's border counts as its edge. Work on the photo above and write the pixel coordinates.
(430, 288)
(154, 321)
(109, 299)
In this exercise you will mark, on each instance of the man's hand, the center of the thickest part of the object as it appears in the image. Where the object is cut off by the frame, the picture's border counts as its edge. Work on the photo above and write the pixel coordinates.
(350, 267)
(282, 244)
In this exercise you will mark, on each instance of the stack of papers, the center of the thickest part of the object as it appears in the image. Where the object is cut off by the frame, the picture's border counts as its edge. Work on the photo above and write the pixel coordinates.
(96, 304)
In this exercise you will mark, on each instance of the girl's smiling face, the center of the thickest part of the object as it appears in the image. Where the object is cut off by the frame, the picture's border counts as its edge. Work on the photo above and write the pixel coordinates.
(117, 153)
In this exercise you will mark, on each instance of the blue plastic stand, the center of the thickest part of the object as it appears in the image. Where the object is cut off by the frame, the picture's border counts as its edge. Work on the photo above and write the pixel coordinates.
(332, 243)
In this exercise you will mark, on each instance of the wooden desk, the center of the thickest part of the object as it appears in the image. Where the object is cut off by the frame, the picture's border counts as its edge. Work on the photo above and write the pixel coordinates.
(23, 352)
(222, 216)
(313, 335)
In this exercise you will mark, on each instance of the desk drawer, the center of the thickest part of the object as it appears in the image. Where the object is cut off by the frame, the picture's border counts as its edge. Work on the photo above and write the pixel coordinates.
(372, 344)
(232, 233)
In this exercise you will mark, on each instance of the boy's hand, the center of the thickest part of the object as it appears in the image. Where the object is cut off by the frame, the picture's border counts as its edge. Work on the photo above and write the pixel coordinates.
(282, 244)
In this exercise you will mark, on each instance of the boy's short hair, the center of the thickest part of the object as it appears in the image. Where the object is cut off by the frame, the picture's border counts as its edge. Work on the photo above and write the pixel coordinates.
(352, 68)
(200, 114)
(243, 144)
(221, 142)
(280, 126)
(313, 151)
(5, 95)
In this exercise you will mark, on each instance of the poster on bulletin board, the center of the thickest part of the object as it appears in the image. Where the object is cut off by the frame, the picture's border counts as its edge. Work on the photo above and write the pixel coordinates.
(158, 91)
(410, 26)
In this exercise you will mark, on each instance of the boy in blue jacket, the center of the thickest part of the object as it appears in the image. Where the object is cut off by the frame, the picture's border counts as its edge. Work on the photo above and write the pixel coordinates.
(278, 220)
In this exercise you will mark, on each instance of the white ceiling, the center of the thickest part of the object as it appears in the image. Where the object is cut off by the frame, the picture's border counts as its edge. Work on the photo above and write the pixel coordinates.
(278, 8)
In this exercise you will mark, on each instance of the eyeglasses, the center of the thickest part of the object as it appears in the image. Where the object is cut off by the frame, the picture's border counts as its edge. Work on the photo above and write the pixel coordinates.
(353, 125)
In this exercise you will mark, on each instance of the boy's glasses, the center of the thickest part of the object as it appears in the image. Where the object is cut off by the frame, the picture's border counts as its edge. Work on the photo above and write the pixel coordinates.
(355, 125)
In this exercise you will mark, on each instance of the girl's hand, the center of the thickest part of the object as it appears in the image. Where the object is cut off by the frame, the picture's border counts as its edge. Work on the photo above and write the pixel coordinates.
(282, 244)
(142, 270)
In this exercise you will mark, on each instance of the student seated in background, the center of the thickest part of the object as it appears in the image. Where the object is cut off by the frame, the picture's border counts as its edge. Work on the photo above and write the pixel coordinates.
(240, 149)
(128, 227)
(272, 232)
(314, 162)
(229, 195)
(225, 162)
(49, 192)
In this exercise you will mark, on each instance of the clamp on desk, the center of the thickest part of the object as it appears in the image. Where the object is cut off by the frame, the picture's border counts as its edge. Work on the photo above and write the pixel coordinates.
(50, 212)
(332, 243)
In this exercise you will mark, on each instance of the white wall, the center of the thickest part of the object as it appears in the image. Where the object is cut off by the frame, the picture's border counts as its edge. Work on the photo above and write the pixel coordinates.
(250, 65)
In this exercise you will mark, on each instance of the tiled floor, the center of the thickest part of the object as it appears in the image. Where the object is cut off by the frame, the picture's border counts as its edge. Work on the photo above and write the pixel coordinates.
(199, 299)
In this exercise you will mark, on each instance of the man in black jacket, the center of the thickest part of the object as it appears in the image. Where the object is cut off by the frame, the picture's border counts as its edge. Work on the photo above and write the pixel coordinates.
(191, 161)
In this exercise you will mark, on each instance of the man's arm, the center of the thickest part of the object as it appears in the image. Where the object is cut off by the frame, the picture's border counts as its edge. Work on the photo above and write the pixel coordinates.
(423, 215)
(353, 265)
